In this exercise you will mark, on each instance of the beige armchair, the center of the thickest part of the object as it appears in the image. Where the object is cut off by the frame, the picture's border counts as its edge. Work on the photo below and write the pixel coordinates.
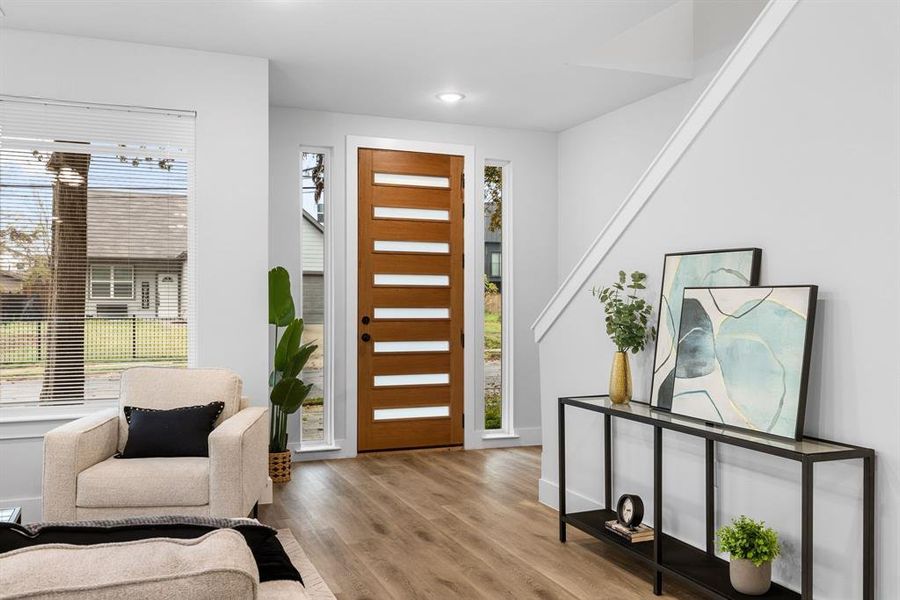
(83, 481)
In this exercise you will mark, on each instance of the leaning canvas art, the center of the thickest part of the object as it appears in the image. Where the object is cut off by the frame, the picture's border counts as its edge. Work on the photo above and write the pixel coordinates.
(735, 267)
(743, 357)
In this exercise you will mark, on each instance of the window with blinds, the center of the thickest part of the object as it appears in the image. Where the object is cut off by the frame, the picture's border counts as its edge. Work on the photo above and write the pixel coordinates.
(96, 271)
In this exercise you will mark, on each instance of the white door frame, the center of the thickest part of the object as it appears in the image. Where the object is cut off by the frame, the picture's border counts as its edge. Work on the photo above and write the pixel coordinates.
(472, 272)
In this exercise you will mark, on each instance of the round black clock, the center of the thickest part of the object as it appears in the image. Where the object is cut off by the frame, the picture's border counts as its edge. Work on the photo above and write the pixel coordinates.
(630, 510)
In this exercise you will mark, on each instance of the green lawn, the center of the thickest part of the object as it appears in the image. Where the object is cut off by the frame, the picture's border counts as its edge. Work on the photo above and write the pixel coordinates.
(492, 417)
(106, 340)
(492, 338)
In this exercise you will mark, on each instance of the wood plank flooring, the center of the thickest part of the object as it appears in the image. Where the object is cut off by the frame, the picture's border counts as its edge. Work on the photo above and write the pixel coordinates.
(446, 524)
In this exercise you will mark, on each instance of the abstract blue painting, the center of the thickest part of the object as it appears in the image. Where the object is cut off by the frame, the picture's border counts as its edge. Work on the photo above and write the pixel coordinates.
(736, 267)
(742, 357)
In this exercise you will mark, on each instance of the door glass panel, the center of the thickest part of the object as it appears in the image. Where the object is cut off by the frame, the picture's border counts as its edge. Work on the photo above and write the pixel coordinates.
(421, 247)
(413, 280)
(419, 214)
(413, 379)
(414, 412)
(412, 313)
(412, 346)
(413, 180)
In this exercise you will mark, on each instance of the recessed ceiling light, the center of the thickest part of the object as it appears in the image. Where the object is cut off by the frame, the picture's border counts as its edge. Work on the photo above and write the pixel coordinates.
(450, 97)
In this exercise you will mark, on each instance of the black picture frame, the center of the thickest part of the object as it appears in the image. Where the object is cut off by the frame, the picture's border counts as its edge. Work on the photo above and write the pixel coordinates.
(755, 266)
(803, 388)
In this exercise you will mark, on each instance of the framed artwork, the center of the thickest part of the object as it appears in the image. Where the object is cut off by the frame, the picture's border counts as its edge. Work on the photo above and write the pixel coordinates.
(735, 267)
(743, 357)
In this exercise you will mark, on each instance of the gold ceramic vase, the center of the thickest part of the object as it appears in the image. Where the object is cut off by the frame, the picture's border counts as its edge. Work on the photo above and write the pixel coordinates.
(620, 379)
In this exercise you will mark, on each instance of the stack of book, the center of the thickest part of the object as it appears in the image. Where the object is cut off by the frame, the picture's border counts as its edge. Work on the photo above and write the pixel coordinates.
(641, 533)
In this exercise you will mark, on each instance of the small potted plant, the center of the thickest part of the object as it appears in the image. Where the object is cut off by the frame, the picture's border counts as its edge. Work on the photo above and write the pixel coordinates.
(752, 547)
(287, 392)
(627, 324)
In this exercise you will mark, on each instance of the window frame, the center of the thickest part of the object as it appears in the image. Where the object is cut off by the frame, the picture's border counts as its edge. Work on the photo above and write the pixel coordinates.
(497, 262)
(112, 281)
(327, 443)
(178, 145)
(507, 428)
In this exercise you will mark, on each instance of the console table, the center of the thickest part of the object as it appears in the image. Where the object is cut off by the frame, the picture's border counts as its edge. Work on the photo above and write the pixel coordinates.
(696, 567)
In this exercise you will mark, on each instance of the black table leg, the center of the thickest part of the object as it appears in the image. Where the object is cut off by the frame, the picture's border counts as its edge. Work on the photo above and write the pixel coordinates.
(607, 460)
(562, 471)
(657, 509)
(806, 531)
(869, 528)
(710, 497)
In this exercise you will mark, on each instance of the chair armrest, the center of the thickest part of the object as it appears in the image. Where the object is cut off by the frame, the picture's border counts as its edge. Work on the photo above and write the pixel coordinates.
(70, 449)
(238, 462)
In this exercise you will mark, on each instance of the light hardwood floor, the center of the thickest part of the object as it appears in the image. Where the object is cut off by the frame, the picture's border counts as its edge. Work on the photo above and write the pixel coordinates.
(446, 524)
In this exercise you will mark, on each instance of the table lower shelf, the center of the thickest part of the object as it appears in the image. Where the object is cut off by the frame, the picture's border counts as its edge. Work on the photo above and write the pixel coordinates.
(689, 564)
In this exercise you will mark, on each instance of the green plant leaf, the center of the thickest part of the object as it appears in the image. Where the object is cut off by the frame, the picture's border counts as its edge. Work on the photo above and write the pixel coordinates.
(289, 393)
(281, 304)
(289, 344)
(296, 362)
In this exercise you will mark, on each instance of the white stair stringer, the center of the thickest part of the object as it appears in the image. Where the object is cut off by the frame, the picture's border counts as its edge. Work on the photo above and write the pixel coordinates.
(732, 70)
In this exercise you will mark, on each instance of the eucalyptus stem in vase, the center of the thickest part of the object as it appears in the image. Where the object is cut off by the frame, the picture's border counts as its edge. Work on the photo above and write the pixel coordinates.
(628, 326)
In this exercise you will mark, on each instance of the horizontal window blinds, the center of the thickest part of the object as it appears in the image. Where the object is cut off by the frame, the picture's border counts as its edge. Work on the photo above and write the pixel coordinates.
(96, 256)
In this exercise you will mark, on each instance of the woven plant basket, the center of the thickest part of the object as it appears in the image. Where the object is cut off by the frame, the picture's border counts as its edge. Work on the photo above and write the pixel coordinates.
(280, 466)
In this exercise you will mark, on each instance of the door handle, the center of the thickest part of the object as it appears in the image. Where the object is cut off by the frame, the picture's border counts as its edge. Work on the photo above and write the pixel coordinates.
(365, 320)
(366, 337)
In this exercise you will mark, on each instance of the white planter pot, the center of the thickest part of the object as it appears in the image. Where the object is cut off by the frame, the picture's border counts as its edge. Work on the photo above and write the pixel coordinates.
(749, 579)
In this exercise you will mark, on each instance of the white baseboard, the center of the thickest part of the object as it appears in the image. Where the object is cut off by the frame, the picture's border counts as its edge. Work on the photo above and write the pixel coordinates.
(548, 493)
(31, 507)
(526, 436)
(339, 450)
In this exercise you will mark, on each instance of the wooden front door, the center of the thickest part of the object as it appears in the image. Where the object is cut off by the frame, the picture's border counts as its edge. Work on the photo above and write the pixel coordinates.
(410, 322)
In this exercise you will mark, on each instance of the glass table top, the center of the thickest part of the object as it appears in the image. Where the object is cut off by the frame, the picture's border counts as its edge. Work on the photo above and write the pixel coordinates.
(640, 410)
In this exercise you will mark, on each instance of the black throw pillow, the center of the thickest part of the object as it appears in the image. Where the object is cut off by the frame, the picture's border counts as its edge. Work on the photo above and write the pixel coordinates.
(180, 431)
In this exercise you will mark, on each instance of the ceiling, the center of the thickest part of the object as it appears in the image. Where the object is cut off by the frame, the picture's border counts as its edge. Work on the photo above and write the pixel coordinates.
(544, 65)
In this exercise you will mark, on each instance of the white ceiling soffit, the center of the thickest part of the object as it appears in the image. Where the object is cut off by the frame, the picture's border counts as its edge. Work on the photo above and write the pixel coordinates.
(660, 45)
(515, 60)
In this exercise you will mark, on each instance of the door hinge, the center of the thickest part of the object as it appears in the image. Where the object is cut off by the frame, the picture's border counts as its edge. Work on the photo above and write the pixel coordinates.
(462, 339)
(464, 421)
(464, 210)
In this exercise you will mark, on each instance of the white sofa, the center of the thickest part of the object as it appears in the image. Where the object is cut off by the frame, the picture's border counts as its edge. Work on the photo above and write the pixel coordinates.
(83, 481)
(216, 566)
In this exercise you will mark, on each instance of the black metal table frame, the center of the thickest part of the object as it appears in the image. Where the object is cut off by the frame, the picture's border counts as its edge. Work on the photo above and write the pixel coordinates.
(712, 436)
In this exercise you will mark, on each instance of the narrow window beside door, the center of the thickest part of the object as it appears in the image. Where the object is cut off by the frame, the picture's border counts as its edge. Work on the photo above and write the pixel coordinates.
(313, 415)
(493, 298)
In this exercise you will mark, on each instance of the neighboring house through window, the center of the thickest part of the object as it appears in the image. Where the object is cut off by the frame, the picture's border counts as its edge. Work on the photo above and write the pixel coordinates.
(95, 271)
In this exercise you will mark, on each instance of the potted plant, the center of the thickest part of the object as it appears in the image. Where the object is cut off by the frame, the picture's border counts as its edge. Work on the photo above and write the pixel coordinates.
(287, 392)
(627, 324)
(752, 546)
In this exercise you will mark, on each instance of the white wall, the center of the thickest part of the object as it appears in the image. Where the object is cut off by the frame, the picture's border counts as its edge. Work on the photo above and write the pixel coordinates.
(533, 163)
(600, 160)
(230, 96)
(802, 160)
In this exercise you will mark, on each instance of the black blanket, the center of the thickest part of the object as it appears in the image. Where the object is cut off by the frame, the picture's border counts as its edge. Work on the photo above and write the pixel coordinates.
(271, 559)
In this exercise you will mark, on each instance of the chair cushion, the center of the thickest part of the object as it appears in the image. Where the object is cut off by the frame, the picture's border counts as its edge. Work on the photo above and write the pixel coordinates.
(166, 388)
(216, 566)
(167, 433)
(182, 481)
